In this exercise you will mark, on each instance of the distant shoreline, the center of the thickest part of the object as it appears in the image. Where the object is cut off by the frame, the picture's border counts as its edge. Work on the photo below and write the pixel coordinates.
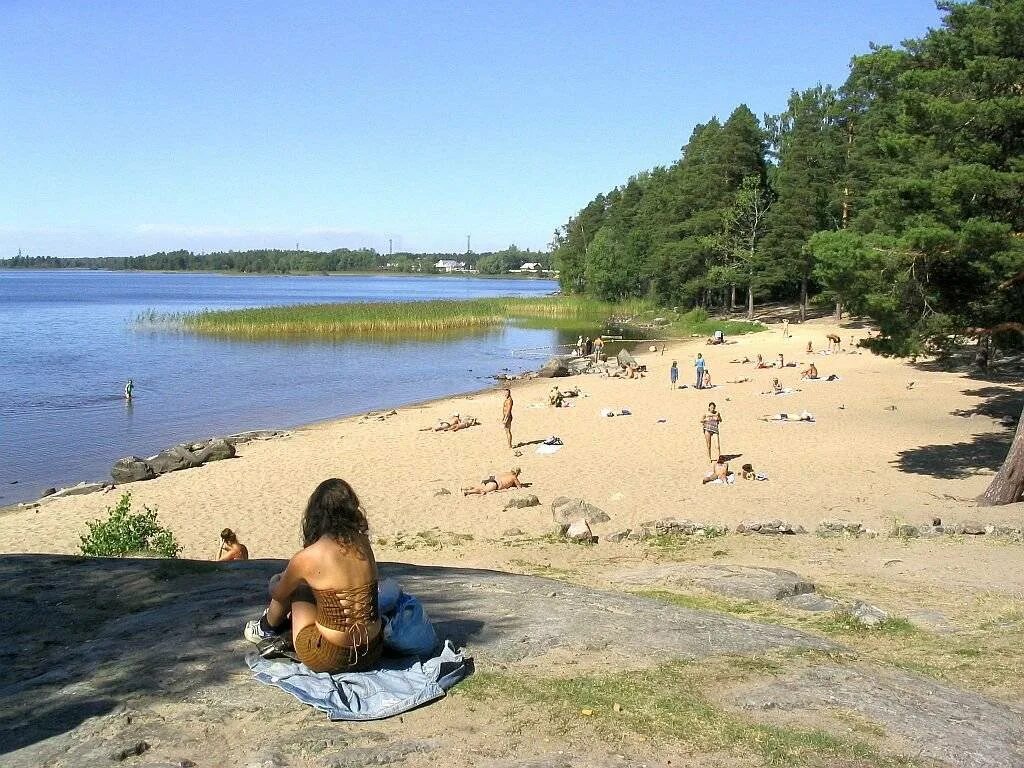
(233, 273)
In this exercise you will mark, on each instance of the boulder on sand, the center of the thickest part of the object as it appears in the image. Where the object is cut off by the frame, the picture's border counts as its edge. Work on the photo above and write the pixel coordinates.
(566, 510)
(131, 469)
(173, 459)
(554, 368)
(215, 450)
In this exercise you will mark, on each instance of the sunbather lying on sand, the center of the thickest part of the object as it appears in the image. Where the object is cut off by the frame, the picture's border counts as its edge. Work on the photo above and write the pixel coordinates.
(761, 363)
(719, 471)
(803, 416)
(502, 482)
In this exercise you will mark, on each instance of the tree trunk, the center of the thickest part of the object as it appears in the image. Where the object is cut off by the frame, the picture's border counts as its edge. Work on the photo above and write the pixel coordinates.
(839, 311)
(732, 303)
(1008, 484)
(750, 302)
(725, 301)
(803, 299)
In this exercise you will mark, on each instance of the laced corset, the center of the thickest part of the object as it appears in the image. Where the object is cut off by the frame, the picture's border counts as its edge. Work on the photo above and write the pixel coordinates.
(352, 610)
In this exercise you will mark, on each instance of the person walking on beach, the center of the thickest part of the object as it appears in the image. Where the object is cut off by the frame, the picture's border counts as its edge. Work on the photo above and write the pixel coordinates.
(785, 329)
(506, 416)
(128, 389)
(699, 367)
(598, 348)
(588, 347)
(579, 347)
(673, 374)
(710, 423)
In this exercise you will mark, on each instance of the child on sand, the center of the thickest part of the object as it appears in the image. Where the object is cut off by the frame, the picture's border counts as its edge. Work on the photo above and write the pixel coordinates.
(810, 372)
(673, 374)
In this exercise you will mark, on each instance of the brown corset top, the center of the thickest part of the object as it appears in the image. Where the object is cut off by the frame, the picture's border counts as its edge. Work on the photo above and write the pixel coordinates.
(354, 608)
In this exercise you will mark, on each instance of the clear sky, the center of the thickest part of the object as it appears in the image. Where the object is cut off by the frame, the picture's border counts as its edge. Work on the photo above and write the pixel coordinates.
(137, 126)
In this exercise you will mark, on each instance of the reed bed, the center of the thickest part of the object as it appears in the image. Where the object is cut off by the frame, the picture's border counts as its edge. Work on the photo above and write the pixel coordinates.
(413, 319)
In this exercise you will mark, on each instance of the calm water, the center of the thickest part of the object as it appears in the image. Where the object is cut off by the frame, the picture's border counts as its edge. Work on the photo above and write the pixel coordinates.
(67, 346)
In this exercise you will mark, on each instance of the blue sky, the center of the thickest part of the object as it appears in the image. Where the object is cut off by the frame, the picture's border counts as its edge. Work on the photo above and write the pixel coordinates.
(132, 127)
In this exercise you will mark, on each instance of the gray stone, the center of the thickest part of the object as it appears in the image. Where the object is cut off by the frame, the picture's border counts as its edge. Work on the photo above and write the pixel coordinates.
(173, 459)
(522, 502)
(811, 601)
(1005, 532)
(740, 581)
(77, 490)
(832, 528)
(217, 449)
(618, 536)
(131, 469)
(48, 491)
(904, 531)
(769, 527)
(971, 528)
(674, 526)
(566, 510)
(556, 367)
(442, 492)
(385, 754)
(513, 532)
(867, 614)
(132, 750)
(939, 722)
(579, 531)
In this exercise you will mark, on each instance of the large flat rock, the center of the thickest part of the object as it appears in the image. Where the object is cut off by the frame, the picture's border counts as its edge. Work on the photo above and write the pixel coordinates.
(104, 659)
(744, 582)
(91, 640)
(943, 723)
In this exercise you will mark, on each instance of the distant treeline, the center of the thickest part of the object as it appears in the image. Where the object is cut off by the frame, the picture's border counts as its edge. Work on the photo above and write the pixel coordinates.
(897, 196)
(269, 261)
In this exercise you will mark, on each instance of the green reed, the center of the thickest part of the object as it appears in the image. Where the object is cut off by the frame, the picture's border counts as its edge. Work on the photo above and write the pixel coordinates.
(415, 318)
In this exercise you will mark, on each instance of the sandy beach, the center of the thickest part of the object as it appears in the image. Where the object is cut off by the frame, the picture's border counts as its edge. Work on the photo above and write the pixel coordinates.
(879, 452)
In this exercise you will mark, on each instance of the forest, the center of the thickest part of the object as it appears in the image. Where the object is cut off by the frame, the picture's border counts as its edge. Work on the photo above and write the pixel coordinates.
(274, 261)
(898, 195)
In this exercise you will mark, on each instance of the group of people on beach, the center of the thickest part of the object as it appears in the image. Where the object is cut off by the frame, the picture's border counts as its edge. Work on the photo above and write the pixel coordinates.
(323, 606)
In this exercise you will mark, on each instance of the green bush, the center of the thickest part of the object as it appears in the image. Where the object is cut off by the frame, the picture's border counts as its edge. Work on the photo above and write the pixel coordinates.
(124, 533)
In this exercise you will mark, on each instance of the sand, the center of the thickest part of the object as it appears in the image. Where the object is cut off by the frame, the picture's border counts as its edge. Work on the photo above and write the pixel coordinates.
(878, 452)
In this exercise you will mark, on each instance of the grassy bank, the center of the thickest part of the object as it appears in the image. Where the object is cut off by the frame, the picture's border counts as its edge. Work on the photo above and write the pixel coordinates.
(423, 318)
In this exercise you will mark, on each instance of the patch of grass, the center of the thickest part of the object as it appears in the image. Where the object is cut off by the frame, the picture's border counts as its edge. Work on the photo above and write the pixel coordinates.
(668, 703)
(432, 538)
(844, 622)
(745, 609)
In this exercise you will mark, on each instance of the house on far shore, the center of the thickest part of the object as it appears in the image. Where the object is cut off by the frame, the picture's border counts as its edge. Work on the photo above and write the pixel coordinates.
(450, 265)
(531, 267)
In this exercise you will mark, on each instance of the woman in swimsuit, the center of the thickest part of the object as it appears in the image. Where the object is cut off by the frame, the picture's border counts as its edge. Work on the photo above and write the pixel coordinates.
(710, 422)
(329, 588)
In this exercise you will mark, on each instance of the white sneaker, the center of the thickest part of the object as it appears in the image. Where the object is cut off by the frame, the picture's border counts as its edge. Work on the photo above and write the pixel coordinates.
(254, 634)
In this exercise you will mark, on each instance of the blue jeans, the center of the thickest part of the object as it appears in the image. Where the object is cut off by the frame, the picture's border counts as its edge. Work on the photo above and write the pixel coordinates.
(700, 377)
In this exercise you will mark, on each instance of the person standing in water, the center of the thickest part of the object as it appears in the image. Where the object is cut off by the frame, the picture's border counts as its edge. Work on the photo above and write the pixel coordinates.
(506, 416)
(128, 389)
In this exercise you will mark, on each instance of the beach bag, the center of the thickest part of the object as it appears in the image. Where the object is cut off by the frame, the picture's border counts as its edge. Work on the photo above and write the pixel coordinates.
(408, 630)
(388, 593)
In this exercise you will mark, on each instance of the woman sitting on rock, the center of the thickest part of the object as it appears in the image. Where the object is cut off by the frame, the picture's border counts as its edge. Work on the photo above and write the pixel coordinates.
(329, 589)
(230, 547)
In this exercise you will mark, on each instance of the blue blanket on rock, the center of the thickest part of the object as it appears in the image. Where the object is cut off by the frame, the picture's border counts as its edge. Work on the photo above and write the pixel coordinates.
(396, 686)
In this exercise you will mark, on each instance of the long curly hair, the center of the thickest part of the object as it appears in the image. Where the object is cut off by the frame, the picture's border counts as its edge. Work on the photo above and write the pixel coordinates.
(333, 510)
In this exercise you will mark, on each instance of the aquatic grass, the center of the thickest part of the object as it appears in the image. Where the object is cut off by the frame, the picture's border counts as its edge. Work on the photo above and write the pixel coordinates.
(410, 318)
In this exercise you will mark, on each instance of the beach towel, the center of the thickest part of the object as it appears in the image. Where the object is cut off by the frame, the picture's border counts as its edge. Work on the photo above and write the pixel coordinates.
(552, 445)
(398, 685)
(730, 479)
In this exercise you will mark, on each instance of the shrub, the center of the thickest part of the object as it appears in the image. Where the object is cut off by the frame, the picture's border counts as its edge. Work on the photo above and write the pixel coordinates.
(124, 533)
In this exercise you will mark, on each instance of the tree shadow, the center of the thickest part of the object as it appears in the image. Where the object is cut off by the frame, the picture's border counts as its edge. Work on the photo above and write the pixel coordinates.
(982, 452)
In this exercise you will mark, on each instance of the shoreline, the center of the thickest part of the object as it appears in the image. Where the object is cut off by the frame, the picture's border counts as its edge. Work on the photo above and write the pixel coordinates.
(882, 464)
(300, 427)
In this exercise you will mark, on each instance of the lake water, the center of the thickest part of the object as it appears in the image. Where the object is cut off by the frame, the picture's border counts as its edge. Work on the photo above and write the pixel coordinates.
(68, 343)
